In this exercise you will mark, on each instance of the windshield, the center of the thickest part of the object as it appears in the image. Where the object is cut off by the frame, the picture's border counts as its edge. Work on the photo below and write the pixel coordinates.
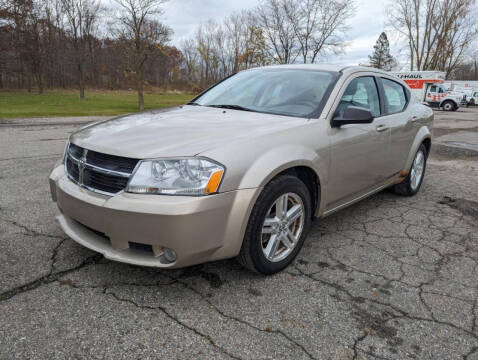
(290, 92)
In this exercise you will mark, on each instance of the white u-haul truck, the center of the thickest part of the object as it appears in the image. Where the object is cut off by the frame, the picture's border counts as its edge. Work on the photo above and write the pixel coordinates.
(471, 94)
(467, 87)
(427, 87)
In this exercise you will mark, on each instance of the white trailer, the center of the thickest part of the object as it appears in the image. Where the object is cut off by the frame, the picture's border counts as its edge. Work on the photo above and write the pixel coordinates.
(428, 87)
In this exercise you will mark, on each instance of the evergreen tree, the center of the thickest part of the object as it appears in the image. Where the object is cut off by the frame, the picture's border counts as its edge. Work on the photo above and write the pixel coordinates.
(381, 57)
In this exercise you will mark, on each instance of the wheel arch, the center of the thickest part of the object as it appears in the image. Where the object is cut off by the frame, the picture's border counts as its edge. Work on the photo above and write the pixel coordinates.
(301, 161)
(455, 104)
(428, 144)
(300, 168)
(307, 172)
(310, 178)
(423, 136)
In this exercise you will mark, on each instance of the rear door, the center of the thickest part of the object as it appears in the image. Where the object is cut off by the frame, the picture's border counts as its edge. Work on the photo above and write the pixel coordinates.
(359, 153)
(400, 120)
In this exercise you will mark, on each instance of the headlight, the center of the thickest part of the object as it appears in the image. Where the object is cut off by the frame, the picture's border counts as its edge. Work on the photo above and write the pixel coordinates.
(184, 176)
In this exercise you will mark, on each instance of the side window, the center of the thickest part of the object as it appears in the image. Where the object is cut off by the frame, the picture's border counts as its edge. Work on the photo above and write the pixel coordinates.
(440, 91)
(476, 94)
(361, 91)
(433, 88)
(395, 98)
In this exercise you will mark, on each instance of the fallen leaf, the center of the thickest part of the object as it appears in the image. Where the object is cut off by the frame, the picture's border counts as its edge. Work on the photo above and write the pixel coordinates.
(68, 282)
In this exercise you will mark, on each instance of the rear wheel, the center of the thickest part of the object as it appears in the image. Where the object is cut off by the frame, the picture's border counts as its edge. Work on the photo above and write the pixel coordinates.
(448, 106)
(414, 179)
(277, 227)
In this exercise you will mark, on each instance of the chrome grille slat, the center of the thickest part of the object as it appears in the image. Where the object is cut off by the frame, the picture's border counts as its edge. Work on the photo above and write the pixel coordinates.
(75, 151)
(107, 172)
(111, 162)
(72, 169)
(105, 178)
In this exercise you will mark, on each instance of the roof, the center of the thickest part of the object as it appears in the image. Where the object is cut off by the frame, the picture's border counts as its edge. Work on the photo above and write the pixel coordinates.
(322, 67)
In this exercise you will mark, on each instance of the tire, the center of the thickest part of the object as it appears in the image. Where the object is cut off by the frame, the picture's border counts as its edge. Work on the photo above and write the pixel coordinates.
(257, 242)
(472, 102)
(409, 186)
(448, 106)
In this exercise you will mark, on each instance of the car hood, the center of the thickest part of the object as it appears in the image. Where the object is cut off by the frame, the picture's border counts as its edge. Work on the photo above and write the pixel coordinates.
(184, 131)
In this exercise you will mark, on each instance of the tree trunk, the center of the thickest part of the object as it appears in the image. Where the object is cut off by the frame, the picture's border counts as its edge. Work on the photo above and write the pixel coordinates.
(40, 83)
(81, 76)
(139, 76)
(29, 81)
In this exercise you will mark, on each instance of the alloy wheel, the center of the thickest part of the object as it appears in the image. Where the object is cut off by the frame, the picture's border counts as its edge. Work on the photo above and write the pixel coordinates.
(418, 167)
(282, 227)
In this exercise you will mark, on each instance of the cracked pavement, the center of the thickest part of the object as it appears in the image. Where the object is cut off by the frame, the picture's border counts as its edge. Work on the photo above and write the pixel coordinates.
(388, 278)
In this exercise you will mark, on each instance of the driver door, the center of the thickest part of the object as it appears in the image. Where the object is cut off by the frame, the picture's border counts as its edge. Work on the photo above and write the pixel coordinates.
(358, 152)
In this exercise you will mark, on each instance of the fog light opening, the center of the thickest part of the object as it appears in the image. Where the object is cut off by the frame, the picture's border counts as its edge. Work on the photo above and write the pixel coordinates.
(169, 255)
(158, 250)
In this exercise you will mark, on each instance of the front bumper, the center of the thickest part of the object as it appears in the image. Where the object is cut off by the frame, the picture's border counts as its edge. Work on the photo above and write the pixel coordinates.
(198, 229)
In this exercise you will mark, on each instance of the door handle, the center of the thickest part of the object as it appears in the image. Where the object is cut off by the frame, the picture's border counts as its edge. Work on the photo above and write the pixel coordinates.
(414, 118)
(381, 128)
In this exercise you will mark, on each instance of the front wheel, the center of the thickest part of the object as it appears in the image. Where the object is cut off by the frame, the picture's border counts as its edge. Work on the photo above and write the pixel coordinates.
(277, 226)
(414, 179)
(448, 106)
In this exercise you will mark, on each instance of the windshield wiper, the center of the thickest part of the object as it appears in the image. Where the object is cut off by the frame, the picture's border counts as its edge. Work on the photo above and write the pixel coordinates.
(232, 107)
(193, 103)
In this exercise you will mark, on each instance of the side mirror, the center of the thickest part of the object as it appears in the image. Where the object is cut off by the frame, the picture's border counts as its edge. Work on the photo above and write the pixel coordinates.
(353, 115)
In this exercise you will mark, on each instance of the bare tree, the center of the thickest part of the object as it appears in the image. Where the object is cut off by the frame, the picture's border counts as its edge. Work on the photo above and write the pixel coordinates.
(277, 31)
(81, 17)
(468, 70)
(255, 50)
(136, 26)
(438, 32)
(209, 39)
(282, 42)
(39, 47)
(235, 28)
(303, 29)
(189, 51)
(27, 19)
(319, 25)
(221, 49)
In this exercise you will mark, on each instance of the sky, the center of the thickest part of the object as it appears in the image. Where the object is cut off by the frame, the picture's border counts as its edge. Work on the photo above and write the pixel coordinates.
(369, 21)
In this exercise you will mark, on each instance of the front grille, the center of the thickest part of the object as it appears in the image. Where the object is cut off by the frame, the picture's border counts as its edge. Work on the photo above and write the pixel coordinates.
(72, 169)
(103, 182)
(111, 162)
(75, 151)
(103, 173)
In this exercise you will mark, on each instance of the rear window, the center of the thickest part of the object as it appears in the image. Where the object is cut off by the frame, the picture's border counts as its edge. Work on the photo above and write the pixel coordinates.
(395, 97)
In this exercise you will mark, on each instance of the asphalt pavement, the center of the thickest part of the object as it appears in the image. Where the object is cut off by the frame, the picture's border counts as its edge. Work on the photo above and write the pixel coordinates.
(388, 278)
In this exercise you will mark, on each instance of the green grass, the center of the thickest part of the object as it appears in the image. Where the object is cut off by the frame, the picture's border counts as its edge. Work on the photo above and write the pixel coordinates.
(19, 104)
